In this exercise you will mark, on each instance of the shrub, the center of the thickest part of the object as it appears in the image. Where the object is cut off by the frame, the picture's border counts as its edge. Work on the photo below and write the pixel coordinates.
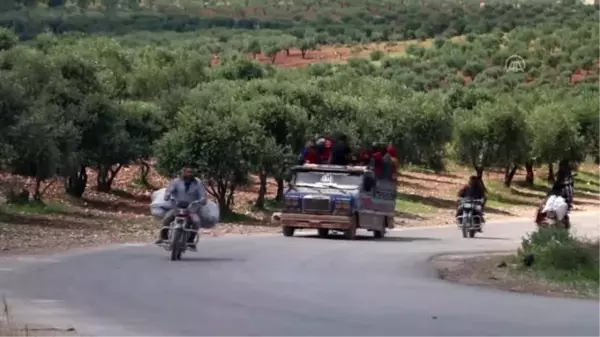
(376, 55)
(560, 256)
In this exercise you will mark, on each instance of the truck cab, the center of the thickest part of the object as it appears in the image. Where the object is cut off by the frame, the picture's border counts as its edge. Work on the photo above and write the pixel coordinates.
(333, 198)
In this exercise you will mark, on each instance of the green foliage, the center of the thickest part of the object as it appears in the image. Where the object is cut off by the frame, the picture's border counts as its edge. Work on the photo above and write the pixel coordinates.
(187, 90)
(220, 141)
(376, 55)
(560, 256)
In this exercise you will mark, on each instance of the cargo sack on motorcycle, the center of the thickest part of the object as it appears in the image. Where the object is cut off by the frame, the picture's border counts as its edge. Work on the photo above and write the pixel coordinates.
(209, 215)
(558, 205)
(159, 207)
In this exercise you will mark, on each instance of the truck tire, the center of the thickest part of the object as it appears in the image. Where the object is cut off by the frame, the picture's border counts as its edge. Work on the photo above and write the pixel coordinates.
(350, 233)
(323, 232)
(381, 234)
(288, 231)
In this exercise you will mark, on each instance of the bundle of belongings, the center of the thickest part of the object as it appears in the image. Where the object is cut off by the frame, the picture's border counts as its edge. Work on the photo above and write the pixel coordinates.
(558, 205)
(209, 213)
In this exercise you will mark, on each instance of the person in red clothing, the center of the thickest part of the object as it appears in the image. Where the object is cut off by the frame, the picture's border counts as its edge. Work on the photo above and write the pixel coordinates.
(366, 154)
(327, 148)
(377, 160)
(311, 156)
(391, 159)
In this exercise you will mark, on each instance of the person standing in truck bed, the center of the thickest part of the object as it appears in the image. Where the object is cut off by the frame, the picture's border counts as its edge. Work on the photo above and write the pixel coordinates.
(340, 152)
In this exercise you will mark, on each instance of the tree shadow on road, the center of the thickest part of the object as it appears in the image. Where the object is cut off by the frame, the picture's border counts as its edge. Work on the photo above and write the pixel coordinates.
(491, 238)
(210, 259)
(366, 237)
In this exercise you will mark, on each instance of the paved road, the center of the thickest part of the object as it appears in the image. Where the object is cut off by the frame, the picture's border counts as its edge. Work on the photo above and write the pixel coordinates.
(272, 285)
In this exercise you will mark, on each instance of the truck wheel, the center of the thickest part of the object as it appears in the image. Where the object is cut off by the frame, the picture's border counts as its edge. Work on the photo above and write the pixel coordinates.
(378, 234)
(323, 232)
(350, 233)
(288, 231)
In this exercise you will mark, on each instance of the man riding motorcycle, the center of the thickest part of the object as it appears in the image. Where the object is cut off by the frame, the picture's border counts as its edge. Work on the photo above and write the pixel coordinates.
(474, 190)
(184, 189)
(562, 187)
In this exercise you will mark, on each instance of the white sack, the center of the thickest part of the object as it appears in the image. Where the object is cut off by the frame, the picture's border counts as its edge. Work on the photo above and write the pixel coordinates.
(158, 206)
(558, 205)
(209, 214)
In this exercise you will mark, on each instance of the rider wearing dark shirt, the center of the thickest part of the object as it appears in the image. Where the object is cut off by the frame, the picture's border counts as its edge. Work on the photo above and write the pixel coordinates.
(340, 152)
(474, 190)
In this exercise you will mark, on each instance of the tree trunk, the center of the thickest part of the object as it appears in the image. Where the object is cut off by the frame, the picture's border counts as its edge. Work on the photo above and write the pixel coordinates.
(287, 51)
(303, 52)
(223, 209)
(106, 177)
(550, 173)
(262, 190)
(509, 174)
(479, 171)
(144, 171)
(76, 183)
(280, 187)
(530, 176)
(37, 196)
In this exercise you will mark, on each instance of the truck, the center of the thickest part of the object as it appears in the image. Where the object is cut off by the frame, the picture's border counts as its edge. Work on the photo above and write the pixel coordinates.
(333, 198)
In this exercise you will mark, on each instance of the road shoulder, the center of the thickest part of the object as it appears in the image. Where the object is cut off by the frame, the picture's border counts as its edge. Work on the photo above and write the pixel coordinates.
(499, 270)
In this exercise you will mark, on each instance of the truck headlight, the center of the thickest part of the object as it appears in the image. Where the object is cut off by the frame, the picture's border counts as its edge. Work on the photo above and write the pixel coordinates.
(342, 207)
(291, 204)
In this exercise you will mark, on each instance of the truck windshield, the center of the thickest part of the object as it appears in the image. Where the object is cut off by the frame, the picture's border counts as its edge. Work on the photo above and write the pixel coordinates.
(328, 179)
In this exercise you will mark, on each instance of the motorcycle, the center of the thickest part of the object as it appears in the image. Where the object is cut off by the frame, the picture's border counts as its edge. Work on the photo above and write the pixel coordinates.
(180, 229)
(471, 220)
(554, 210)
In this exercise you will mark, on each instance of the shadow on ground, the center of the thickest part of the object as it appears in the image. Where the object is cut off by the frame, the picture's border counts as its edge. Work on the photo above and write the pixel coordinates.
(207, 259)
(50, 222)
(433, 180)
(367, 237)
(446, 203)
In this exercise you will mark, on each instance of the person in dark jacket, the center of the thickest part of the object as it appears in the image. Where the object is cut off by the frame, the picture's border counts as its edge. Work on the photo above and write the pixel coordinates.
(340, 153)
(564, 182)
(475, 189)
(563, 187)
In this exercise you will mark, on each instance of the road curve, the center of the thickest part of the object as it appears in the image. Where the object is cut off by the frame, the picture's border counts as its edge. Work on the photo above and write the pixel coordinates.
(272, 285)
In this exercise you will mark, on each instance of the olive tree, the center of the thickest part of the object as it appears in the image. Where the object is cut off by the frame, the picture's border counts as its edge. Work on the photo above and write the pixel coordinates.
(556, 135)
(492, 134)
(220, 141)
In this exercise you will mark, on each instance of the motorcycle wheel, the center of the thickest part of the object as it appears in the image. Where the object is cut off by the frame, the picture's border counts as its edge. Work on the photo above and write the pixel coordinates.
(464, 231)
(176, 244)
(471, 233)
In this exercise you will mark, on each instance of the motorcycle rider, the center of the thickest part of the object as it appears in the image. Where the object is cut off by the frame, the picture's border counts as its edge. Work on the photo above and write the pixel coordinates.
(475, 189)
(563, 187)
(186, 189)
